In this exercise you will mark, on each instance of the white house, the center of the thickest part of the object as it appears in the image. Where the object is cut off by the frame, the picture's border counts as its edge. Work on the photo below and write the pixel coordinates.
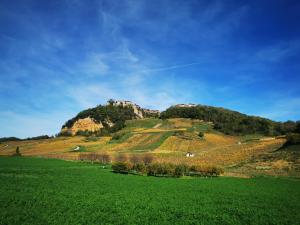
(76, 148)
(189, 154)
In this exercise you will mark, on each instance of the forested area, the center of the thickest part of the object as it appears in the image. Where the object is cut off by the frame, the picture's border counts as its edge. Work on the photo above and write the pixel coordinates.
(232, 122)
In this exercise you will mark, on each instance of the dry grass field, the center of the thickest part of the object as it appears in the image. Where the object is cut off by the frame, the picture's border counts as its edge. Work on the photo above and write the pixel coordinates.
(167, 141)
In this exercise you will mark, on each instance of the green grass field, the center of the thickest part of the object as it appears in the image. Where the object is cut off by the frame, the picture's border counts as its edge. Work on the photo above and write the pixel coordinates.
(49, 191)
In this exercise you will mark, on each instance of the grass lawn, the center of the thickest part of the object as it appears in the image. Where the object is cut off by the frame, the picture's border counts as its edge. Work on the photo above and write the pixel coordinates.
(48, 191)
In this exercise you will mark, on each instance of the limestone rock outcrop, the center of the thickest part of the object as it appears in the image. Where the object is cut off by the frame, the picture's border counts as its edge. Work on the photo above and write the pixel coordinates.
(86, 124)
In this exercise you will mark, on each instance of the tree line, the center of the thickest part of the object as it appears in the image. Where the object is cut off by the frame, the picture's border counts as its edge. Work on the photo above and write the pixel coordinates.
(4, 139)
(232, 122)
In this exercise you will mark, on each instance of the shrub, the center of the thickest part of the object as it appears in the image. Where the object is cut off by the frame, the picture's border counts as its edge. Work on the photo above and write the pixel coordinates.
(178, 133)
(166, 169)
(147, 159)
(160, 169)
(104, 158)
(201, 134)
(121, 167)
(65, 134)
(206, 171)
(92, 156)
(135, 159)
(117, 136)
(181, 170)
(92, 139)
(84, 133)
(152, 169)
(140, 168)
(17, 153)
(121, 158)
(293, 139)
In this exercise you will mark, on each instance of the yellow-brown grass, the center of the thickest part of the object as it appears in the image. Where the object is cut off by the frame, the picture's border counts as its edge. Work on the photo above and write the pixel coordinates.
(222, 155)
(51, 146)
(182, 122)
(137, 140)
(175, 144)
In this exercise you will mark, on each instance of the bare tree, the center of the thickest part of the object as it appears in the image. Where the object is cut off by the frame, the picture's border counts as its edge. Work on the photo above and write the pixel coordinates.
(121, 158)
(135, 159)
(147, 158)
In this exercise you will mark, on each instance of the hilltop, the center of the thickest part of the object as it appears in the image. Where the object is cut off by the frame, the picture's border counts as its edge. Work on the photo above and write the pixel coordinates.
(111, 117)
(105, 119)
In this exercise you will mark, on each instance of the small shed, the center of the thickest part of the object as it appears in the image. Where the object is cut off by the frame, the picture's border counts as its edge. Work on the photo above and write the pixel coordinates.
(189, 154)
(76, 148)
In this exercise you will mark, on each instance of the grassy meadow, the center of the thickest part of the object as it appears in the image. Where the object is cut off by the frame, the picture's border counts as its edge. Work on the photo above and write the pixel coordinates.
(51, 191)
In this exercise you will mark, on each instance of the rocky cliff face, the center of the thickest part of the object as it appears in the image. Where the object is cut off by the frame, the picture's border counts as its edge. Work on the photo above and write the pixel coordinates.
(111, 117)
(138, 111)
(86, 124)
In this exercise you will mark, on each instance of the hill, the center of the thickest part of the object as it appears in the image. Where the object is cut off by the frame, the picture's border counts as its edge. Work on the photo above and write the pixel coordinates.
(105, 119)
(111, 117)
(212, 136)
(166, 141)
(230, 122)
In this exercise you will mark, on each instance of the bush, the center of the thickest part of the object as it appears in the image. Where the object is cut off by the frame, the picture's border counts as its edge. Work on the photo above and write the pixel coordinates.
(92, 156)
(104, 158)
(160, 169)
(121, 158)
(147, 159)
(293, 139)
(166, 169)
(181, 170)
(201, 134)
(178, 133)
(206, 171)
(135, 159)
(17, 153)
(117, 136)
(121, 167)
(152, 169)
(84, 133)
(140, 168)
(65, 134)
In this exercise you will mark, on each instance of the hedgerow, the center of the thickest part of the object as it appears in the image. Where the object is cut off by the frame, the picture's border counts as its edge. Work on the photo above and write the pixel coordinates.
(166, 169)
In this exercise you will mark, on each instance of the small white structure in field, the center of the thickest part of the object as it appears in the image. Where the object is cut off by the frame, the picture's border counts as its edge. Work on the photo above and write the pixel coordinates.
(189, 154)
(239, 143)
(76, 148)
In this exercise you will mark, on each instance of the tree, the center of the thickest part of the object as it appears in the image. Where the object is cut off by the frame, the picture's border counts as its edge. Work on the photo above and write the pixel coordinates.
(147, 159)
(228, 121)
(181, 170)
(298, 127)
(121, 158)
(135, 159)
(111, 101)
(121, 167)
(201, 134)
(17, 152)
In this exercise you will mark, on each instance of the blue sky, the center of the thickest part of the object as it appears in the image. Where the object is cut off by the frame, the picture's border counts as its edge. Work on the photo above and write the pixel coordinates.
(60, 57)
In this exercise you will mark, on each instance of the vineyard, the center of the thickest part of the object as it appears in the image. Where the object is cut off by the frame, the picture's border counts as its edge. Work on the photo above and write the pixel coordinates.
(166, 140)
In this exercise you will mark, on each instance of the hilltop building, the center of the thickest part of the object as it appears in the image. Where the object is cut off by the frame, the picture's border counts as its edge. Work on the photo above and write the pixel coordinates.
(185, 105)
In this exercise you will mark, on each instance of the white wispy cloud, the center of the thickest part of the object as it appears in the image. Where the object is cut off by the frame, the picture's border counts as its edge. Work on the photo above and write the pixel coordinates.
(170, 67)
